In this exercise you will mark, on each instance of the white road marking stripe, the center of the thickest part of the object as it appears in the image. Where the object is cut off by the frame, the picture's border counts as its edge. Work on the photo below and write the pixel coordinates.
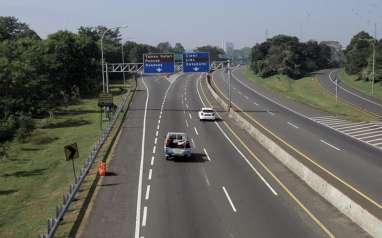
(378, 144)
(339, 124)
(374, 140)
(156, 133)
(186, 123)
(196, 131)
(256, 103)
(240, 92)
(366, 137)
(229, 199)
(147, 192)
(323, 117)
(205, 152)
(193, 143)
(158, 122)
(139, 193)
(205, 176)
(158, 127)
(367, 133)
(144, 216)
(154, 149)
(326, 143)
(271, 113)
(291, 124)
(356, 127)
(152, 161)
(150, 174)
(155, 141)
(246, 97)
(189, 114)
(237, 149)
(329, 120)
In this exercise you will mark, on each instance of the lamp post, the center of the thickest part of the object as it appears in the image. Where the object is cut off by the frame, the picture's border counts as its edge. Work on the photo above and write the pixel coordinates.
(102, 58)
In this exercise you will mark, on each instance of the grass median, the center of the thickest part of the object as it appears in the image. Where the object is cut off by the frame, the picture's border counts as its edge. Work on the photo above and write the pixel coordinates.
(35, 175)
(308, 91)
(360, 85)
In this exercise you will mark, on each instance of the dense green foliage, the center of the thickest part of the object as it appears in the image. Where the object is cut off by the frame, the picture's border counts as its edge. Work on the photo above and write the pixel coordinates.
(214, 52)
(38, 76)
(286, 55)
(359, 57)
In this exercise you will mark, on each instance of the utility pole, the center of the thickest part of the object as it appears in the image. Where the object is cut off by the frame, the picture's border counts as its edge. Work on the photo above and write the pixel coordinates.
(374, 42)
(229, 85)
(123, 72)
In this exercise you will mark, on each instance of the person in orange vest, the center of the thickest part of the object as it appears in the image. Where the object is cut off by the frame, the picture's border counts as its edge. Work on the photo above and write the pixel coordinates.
(102, 169)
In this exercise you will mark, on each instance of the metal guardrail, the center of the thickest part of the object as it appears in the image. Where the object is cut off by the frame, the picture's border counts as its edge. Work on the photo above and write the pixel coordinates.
(61, 209)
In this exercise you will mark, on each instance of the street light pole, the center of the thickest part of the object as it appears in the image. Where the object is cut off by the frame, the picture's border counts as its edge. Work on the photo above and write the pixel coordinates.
(229, 85)
(102, 58)
(375, 39)
(123, 72)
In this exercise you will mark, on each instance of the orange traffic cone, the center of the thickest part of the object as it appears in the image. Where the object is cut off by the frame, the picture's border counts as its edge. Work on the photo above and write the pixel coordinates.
(102, 169)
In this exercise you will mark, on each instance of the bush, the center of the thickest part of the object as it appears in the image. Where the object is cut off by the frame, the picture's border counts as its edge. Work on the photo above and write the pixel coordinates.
(25, 126)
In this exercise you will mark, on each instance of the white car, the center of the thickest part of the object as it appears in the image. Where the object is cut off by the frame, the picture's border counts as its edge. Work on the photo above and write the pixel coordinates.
(207, 113)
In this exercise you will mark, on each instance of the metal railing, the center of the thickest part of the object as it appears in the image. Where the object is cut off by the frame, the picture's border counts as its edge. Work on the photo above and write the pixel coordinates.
(61, 209)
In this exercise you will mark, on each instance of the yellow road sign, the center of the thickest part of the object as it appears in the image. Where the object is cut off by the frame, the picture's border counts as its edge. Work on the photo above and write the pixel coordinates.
(71, 151)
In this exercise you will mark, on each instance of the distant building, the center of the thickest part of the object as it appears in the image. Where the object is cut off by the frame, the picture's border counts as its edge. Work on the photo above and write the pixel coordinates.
(229, 48)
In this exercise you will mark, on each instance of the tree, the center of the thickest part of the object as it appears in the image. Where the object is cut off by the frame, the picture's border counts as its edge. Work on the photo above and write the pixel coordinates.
(12, 29)
(358, 53)
(178, 48)
(164, 47)
(213, 51)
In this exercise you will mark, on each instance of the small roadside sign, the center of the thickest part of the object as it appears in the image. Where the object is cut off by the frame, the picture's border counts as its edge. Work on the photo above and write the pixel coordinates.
(105, 100)
(71, 151)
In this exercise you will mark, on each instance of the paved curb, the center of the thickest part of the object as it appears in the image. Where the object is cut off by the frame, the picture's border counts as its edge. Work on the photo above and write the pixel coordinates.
(347, 206)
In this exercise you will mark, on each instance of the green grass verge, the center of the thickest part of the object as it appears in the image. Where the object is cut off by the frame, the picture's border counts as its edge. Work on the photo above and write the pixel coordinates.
(309, 92)
(35, 176)
(360, 85)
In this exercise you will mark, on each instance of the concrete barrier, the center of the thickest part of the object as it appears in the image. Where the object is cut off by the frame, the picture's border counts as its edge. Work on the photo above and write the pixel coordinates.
(342, 202)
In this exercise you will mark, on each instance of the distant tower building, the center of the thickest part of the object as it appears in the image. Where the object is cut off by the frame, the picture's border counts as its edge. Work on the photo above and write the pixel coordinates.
(229, 48)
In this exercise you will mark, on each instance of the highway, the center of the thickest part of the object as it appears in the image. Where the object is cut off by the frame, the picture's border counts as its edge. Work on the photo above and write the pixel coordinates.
(327, 79)
(220, 192)
(352, 166)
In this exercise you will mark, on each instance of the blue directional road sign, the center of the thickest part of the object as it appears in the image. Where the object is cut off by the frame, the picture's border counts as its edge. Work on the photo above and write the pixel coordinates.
(196, 62)
(158, 63)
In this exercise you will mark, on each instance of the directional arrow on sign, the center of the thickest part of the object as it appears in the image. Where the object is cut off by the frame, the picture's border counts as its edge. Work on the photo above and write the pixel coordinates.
(159, 69)
(196, 69)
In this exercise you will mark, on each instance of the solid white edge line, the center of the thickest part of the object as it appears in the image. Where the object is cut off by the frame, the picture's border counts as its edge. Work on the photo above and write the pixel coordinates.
(328, 144)
(150, 174)
(237, 149)
(205, 152)
(291, 124)
(196, 131)
(144, 216)
(372, 102)
(152, 161)
(229, 199)
(147, 192)
(139, 195)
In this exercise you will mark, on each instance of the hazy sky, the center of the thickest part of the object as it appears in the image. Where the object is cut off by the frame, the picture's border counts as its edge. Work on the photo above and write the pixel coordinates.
(199, 22)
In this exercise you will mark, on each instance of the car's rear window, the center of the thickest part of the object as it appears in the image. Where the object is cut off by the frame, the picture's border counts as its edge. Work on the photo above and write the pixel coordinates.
(208, 111)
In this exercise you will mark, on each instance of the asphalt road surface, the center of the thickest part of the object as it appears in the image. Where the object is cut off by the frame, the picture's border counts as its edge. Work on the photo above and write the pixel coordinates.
(350, 165)
(328, 78)
(219, 192)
